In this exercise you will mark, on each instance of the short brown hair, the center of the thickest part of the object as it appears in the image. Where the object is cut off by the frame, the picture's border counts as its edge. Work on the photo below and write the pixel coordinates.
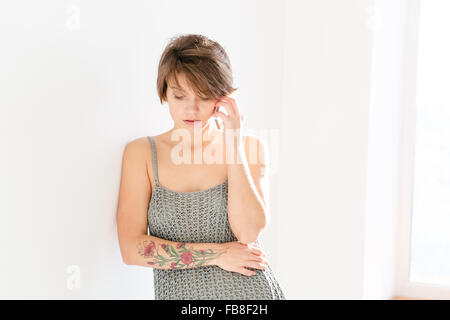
(203, 61)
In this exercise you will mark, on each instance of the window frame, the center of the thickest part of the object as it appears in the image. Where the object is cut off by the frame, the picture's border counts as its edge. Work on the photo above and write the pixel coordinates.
(403, 286)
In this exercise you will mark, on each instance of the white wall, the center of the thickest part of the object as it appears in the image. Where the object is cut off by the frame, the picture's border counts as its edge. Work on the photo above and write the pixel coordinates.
(388, 81)
(78, 81)
(322, 185)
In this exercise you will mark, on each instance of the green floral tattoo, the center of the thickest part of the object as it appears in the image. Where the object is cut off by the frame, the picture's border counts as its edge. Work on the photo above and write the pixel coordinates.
(178, 256)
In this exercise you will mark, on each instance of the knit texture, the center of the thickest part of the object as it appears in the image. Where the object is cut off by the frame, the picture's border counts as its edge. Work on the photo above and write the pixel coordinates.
(199, 217)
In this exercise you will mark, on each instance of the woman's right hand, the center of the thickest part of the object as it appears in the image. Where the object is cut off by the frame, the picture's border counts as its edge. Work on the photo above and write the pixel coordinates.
(238, 256)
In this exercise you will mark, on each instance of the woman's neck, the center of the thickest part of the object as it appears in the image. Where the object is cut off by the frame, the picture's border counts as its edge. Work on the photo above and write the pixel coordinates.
(194, 138)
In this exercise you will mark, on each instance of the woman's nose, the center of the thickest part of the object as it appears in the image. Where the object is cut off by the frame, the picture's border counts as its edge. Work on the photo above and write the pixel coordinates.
(193, 104)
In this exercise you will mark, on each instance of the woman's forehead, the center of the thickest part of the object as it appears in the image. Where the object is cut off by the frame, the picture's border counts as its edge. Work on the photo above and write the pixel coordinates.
(182, 87)
(175, 87)
(185, 86)
(182, 84)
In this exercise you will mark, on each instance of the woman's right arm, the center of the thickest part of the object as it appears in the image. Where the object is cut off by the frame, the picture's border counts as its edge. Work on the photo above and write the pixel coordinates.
(158, 253)
(138, 248)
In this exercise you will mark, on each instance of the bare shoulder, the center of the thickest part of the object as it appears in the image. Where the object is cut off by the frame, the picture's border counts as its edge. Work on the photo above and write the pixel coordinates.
(138, 148)
(141, 141)
(137, 152)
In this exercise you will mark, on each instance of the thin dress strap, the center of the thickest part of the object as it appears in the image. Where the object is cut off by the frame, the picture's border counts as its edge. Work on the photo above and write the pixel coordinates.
(155, 164)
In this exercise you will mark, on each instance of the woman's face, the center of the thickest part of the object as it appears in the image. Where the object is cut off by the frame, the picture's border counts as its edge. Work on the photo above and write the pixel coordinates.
(185, 105)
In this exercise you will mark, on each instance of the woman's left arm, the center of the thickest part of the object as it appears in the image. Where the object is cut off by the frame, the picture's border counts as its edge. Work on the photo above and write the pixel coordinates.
(248, 212)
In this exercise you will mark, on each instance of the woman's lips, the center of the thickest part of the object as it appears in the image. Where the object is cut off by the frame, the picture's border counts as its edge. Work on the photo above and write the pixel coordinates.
(191, 122)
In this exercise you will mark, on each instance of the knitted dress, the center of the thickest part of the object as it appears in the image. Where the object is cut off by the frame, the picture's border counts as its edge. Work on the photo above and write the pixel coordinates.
(199, 217)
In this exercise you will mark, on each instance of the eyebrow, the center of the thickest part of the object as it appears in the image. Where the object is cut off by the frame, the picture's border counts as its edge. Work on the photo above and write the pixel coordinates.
(177, 88)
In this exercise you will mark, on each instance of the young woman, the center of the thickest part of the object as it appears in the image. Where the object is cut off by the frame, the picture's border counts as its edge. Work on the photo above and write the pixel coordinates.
(203, 217)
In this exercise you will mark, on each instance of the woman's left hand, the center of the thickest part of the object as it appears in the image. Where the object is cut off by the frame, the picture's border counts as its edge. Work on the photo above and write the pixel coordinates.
(234, 120)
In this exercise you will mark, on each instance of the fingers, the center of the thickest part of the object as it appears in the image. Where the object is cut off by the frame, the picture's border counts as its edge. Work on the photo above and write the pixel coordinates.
(220, 114)
(259, 259)
(257, 265)
(246, 259)
(254, 265)
(228, 108)
(254, 250)
(229, 104)
(246, 272)
(232, 102)
(257, 252)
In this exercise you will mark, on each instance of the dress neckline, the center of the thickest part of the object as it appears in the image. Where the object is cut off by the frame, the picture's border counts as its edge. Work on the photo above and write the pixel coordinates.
(192, 192)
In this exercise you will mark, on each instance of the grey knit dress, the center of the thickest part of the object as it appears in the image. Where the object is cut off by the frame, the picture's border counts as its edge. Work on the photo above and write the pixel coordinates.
(199, 217)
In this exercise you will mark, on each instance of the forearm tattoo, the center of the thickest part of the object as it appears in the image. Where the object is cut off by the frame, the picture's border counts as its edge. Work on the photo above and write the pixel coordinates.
(177, 256)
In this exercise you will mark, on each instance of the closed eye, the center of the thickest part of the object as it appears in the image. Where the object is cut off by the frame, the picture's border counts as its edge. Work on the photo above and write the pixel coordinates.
(203, 98)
